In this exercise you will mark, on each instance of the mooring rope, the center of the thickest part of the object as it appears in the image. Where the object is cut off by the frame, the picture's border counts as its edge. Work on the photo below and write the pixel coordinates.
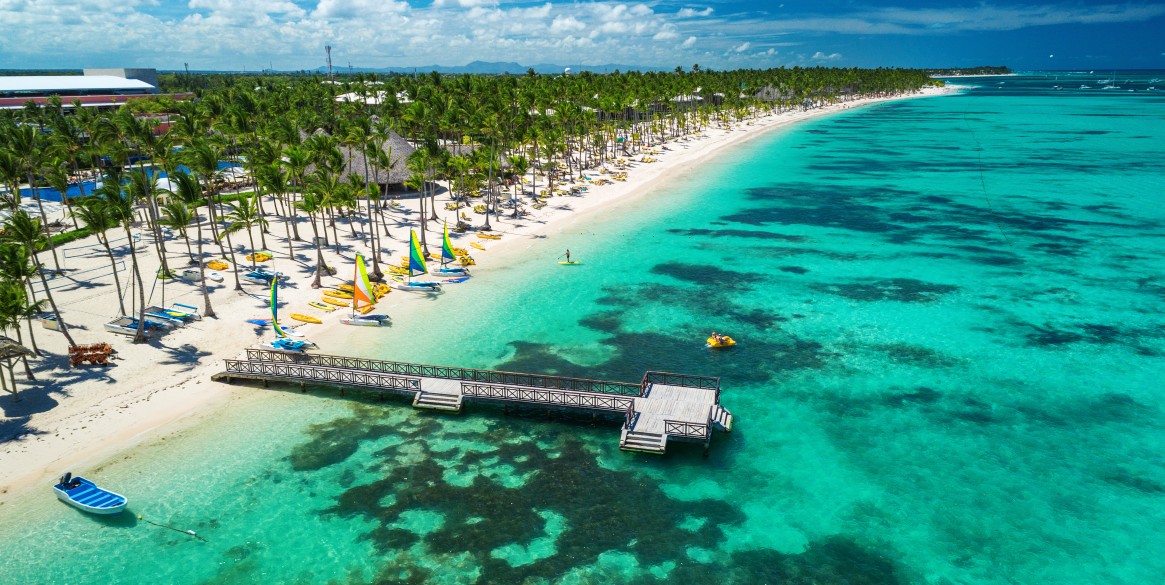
(983, 182)
(186, 532)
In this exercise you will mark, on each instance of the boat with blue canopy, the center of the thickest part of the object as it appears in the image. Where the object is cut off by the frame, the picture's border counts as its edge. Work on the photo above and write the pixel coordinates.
(283, 341)
(84, 495)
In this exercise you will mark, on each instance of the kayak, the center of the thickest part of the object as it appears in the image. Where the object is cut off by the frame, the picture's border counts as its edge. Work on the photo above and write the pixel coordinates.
(345, 287)
(319, 305)
(338, 294)
(477, 245)
(728, 342)
(337, 302)
(571, 263)
(489, 236)
(305, 318)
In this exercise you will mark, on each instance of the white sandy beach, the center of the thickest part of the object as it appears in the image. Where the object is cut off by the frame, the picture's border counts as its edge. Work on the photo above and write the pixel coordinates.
(71, 419)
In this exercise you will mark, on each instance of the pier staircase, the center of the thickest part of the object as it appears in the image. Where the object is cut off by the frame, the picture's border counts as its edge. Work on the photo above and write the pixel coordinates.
(437, 401)
(643, 442)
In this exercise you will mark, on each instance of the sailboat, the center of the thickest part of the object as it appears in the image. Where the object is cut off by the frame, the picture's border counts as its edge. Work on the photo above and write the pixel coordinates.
(362, 292)
(416, 267)
(282, 342)
(448, 256)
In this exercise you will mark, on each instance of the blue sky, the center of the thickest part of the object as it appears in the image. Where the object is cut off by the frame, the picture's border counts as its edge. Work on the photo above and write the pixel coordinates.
(721, 34)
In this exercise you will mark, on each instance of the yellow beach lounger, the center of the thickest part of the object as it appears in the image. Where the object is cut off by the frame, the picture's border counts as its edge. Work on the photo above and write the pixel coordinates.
(319, 305)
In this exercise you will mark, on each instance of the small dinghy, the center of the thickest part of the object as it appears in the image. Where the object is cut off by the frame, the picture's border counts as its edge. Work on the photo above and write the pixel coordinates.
(288, 345)
(363, 321)
(84, 495)
(452, 271)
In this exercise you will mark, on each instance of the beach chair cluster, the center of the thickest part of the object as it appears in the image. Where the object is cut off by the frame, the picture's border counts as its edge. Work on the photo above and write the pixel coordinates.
(95, 354)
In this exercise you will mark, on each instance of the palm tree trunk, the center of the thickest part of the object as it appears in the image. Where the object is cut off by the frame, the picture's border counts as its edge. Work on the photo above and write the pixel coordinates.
(207, 311)
(24, 358)
(140, 334)
(53, 303)
(113, 264)
(234, 265)
(319, 253)
(44, 220)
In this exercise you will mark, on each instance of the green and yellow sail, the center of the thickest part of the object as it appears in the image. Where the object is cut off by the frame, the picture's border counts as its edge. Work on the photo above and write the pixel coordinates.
(416, 256)
(447, 254)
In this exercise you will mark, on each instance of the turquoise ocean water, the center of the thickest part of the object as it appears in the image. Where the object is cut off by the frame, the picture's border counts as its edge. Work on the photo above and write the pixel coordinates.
(949, 315)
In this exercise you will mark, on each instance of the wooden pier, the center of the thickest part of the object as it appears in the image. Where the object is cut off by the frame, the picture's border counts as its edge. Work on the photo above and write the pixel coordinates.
(662, 407)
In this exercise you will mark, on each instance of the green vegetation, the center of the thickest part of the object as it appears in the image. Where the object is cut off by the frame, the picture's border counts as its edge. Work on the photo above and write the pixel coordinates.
(970, 71)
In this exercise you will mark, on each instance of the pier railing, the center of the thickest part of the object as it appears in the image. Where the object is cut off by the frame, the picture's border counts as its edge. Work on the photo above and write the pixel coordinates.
(449, 372)
(685, 380)
(553, 397)
(298, 372)
(676, 428)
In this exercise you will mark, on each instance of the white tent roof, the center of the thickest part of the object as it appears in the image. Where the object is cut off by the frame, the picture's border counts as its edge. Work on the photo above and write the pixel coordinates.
(51, 83)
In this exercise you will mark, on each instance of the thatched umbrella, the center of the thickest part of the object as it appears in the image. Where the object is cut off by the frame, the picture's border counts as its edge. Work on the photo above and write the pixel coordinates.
(10, 351)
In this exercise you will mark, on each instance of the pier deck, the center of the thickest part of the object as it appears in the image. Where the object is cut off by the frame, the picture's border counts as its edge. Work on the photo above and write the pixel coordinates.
(661, 407)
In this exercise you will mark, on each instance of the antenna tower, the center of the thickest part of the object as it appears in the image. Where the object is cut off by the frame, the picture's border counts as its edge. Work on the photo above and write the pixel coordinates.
(328, 48)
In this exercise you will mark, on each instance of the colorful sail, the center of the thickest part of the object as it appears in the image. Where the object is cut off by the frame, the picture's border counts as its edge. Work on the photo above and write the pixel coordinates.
(416, 257)
(447, 254)
(361, 289)
(275, 309)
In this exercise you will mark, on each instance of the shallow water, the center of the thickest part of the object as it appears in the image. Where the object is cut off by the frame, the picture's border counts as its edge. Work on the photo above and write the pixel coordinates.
(950, 344)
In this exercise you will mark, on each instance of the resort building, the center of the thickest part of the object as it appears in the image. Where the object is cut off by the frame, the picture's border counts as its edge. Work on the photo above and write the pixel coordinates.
(97, 88)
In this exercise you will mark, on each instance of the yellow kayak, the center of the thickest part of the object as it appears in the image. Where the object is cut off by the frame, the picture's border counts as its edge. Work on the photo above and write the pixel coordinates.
(489, 236)
(319, 305)
(724, 341)
(345, 287)
(334, 301)
(381, 289)
(460, 251)
(365, 309)
(338, 294)
(305, 318)
(476, 245)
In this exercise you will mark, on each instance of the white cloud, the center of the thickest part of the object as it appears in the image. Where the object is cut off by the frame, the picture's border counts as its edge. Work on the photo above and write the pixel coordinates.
(692, 12)
(565, 24)
(667, 33)
(688, 43)
(819, 56)
(742, 47)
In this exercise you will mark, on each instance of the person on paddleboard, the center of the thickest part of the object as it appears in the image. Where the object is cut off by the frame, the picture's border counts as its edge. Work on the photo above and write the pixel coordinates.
(568, 256)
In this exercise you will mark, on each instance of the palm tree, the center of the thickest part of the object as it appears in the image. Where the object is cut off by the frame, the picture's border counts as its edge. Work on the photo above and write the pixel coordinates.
(189, 192)
(311, 203)
(245, 215)
(176, 215)
(18, 271)
(24, 229)
(274, 179)
(14, 308)
(121, 208)
(98, 217)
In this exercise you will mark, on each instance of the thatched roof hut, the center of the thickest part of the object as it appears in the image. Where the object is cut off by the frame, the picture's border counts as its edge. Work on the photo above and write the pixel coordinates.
(399, 150)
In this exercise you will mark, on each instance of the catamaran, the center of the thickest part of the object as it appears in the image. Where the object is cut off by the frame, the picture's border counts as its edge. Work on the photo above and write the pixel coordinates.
(362, 292)
(282, 341)
(448, 256)
(416, 267)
